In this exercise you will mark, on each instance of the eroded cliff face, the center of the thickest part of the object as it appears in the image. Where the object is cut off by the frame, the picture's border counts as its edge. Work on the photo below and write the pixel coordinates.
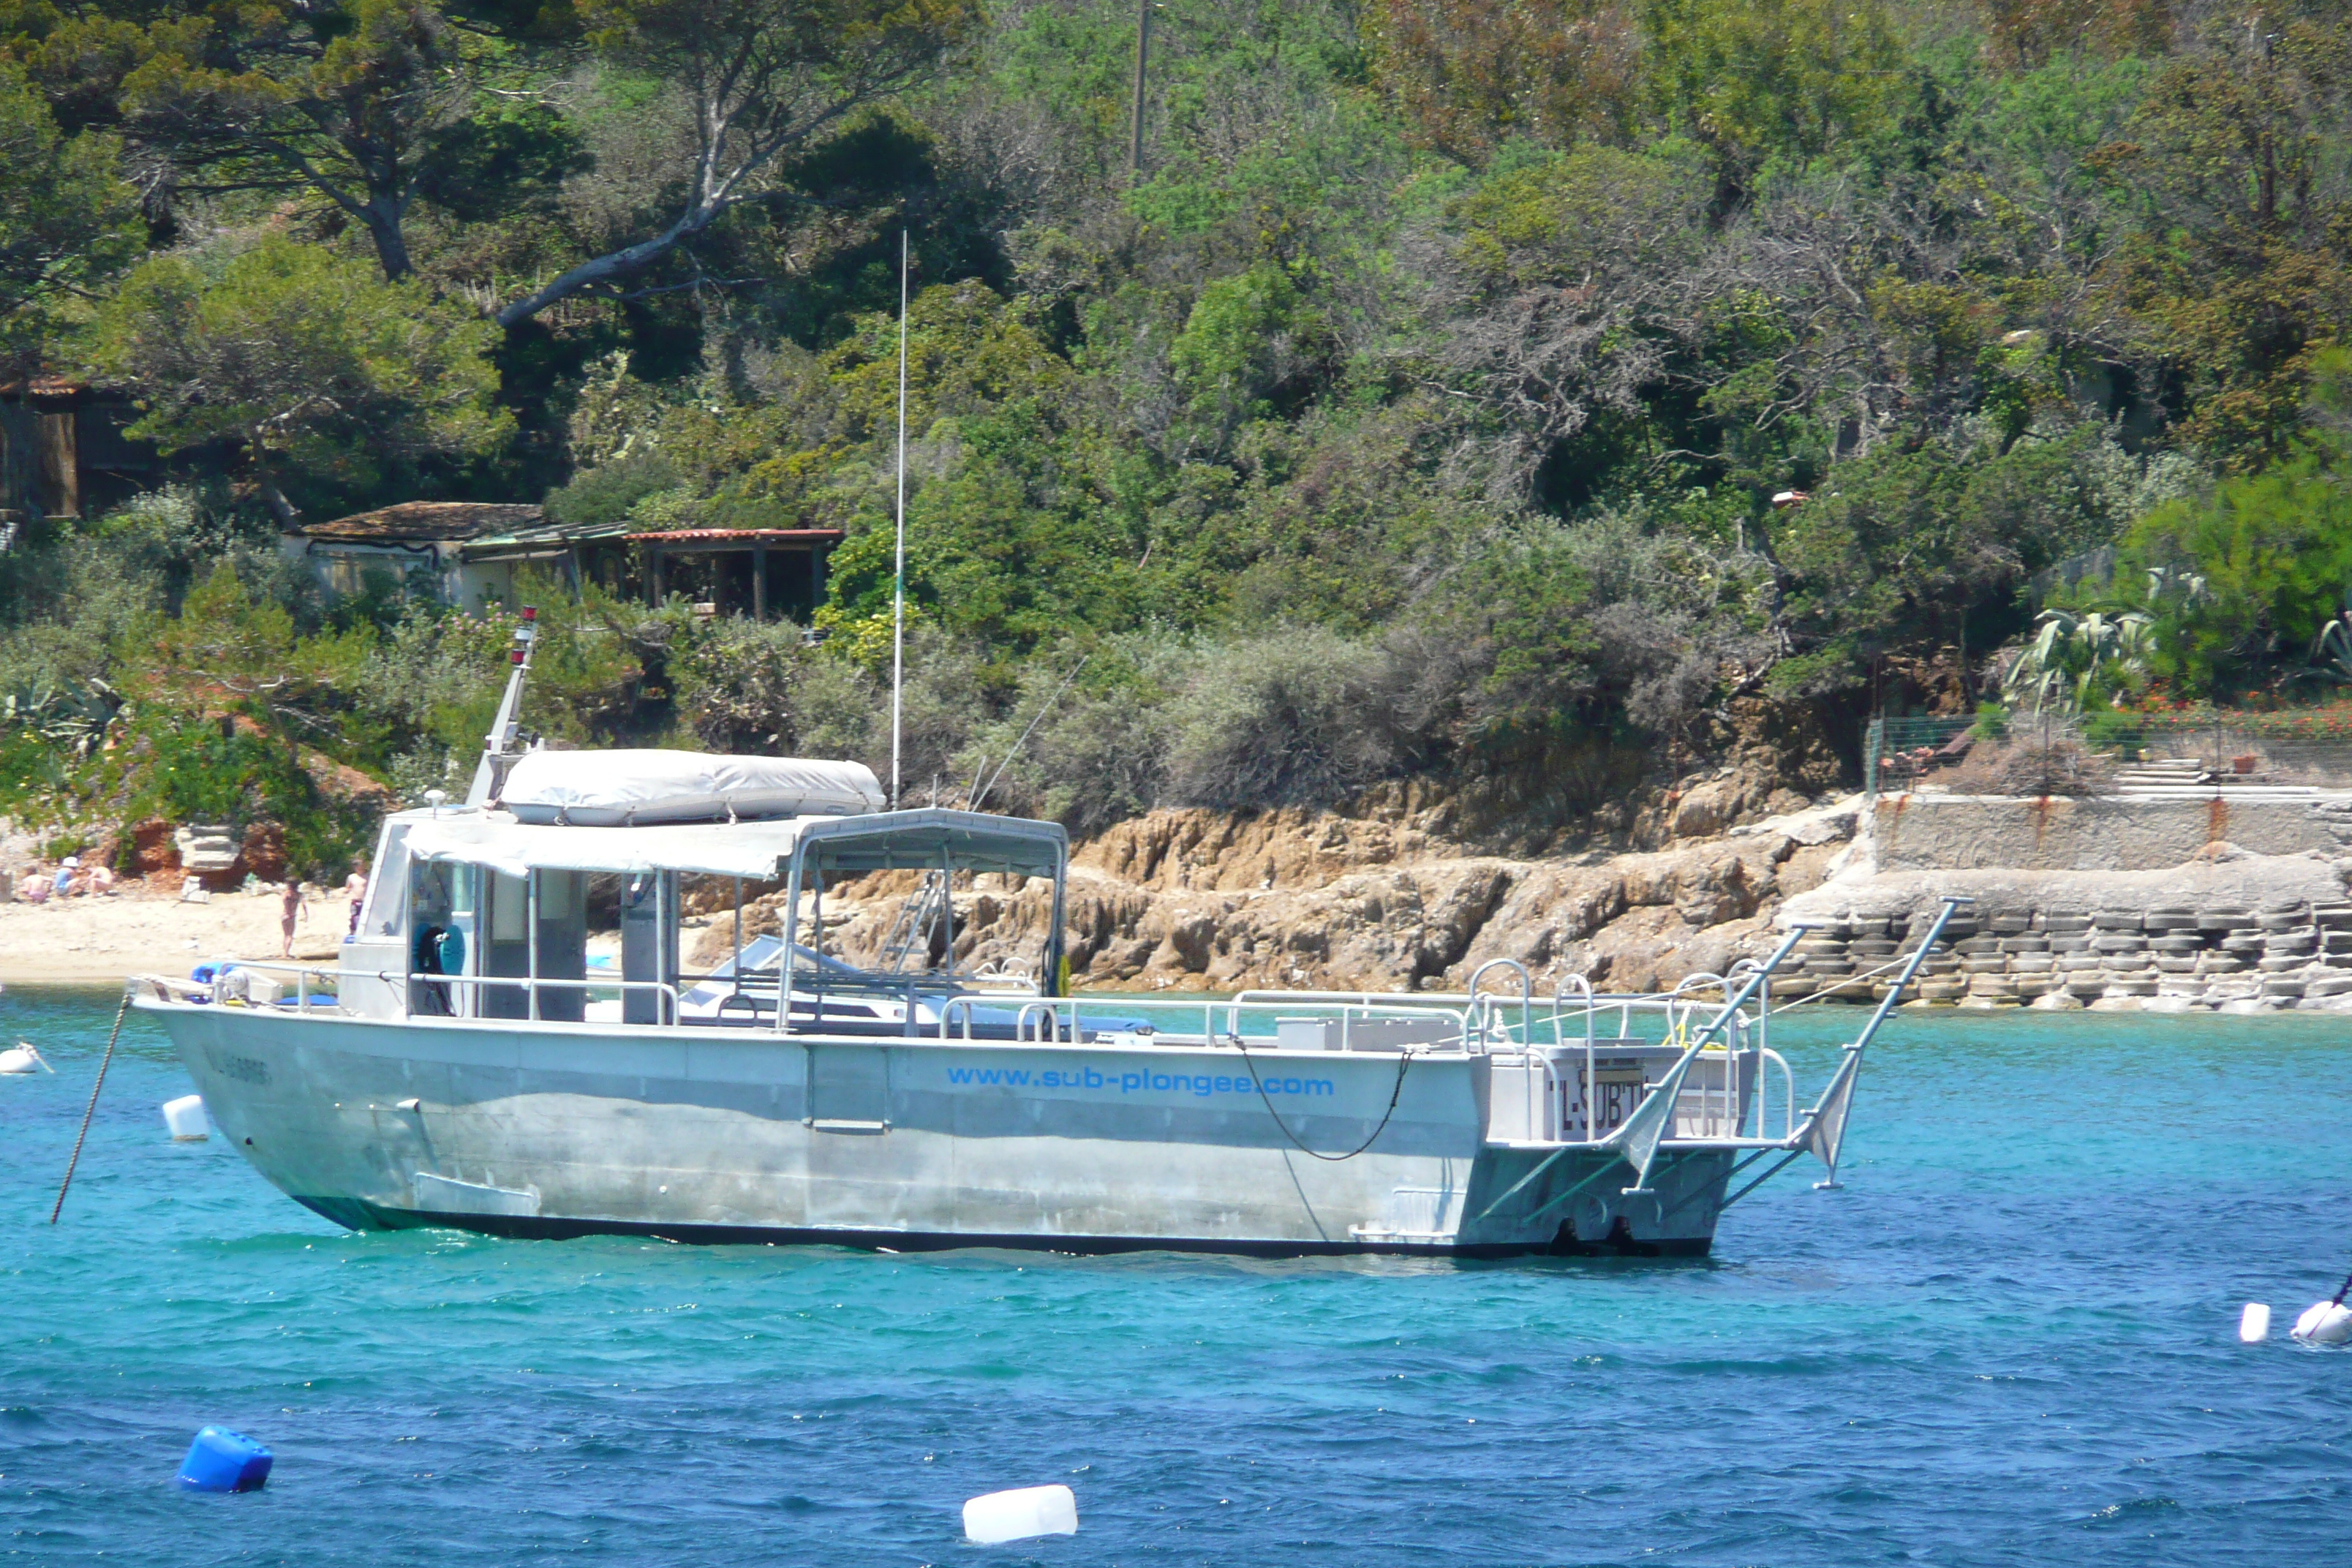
(1381, 894)
(1409, 886)
(1385, 899)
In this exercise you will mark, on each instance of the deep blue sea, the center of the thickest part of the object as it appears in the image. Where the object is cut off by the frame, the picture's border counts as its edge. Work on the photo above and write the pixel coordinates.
(2010, 1340)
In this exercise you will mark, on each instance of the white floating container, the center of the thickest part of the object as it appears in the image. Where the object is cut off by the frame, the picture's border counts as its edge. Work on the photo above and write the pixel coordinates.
(19, 1059)
(1020, 1514)
(2254, 1323)
(2325, 1323)
(186, 1119)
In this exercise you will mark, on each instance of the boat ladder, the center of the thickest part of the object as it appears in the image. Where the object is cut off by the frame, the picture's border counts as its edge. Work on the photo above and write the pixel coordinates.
(918, 917)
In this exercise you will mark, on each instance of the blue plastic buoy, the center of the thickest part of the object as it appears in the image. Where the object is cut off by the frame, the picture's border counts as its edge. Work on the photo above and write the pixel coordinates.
(220, 1460)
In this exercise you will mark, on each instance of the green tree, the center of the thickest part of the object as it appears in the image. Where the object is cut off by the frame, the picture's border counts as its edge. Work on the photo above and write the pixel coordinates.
(1469, 75)
(67, 222)
(307, 370)
(2236, 164)
(1756, 80)
(760, 81)
(340, 101)
(2274, 551)
(2032, 32)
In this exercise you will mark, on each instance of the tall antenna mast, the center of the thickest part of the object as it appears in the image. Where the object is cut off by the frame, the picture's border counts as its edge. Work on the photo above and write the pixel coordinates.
(899, 582)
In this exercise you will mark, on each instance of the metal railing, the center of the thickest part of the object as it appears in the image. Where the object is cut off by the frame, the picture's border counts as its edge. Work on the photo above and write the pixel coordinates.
(1716, 1108)
(531, 984)
(219, 988)
(2237, 754)
(1486, 1007)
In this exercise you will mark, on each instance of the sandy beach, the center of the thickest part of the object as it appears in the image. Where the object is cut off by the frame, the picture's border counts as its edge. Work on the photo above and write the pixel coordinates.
(90, 939)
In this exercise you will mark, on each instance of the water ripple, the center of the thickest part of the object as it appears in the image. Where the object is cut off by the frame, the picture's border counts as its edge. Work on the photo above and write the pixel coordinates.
(2009, 1342)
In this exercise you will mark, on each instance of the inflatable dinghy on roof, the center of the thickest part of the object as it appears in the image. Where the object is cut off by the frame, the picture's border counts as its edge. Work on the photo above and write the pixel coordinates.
(642, 788)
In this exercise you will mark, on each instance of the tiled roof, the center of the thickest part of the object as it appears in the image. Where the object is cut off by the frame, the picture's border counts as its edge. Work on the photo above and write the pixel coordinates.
(436, 521)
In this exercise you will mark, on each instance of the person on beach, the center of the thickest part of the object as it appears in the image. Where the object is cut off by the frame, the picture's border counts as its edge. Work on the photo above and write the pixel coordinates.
(101, 879)
(355, 889)
(65, 869)
(290, 910)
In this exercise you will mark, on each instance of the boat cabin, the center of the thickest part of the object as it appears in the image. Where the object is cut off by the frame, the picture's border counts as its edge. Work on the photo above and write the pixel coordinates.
(564, 900)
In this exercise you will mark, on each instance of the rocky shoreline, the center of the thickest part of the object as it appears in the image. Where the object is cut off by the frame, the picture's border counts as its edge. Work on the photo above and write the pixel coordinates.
(1380, 896)
(1386, 892)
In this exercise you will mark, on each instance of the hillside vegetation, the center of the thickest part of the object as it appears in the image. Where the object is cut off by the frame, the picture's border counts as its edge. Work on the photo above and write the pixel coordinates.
(1417, 404)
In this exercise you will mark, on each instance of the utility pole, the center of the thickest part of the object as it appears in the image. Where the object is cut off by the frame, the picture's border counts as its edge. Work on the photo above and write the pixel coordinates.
(1142, 59)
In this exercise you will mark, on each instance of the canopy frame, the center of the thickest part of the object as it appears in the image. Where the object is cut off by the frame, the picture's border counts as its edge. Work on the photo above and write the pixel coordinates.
(931, 838)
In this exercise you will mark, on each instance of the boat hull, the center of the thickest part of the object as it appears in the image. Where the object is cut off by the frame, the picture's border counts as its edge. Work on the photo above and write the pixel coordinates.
(733, 1135)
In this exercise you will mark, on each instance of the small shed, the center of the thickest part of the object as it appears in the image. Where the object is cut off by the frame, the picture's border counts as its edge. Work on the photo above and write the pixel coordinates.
(64, 453)
(468, 550)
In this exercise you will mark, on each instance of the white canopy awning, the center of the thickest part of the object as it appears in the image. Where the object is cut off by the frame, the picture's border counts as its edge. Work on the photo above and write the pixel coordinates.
(929, 837)
(758, 850)
(753, 849)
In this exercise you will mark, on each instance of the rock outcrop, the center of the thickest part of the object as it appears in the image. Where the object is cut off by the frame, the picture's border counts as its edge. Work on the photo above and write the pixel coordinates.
(1203, 900)
(1378, 897)
(1383, 896)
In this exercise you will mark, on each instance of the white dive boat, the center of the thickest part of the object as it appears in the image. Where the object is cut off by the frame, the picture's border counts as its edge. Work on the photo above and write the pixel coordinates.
(465, 1065)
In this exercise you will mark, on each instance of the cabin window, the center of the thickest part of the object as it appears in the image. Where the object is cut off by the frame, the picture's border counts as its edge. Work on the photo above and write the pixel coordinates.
(510, 908)
(387, 899)
(504, 922)
(648, 945)
(560, 946)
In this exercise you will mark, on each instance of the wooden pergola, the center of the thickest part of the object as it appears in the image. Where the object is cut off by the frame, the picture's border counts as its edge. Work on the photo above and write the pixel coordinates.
(814, 544)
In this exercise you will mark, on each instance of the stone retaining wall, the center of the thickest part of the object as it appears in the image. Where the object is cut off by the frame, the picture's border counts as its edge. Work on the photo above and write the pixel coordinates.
(2174, 957)
(1960, 832)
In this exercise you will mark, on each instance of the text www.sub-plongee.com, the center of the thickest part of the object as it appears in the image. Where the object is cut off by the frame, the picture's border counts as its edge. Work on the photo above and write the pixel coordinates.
(1201, 1084)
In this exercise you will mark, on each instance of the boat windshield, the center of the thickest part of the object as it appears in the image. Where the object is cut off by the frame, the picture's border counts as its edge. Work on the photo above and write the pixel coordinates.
(761, 956)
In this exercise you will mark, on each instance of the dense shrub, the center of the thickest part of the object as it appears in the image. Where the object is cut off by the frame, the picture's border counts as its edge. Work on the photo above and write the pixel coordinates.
(1296, 714)
(1498, 392)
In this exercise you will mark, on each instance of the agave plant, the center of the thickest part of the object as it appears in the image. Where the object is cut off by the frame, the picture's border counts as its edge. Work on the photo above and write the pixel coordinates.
(2334, 644)
(2073, 652)
(64, 717)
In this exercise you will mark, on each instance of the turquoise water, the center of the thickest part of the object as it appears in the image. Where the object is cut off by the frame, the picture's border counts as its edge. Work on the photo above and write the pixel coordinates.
(2009, 1340)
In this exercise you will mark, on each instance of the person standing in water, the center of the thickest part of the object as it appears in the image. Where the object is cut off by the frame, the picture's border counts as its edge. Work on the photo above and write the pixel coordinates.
(291, 908)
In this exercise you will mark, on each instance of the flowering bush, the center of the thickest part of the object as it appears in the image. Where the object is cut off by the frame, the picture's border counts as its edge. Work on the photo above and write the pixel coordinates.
(2326, 721)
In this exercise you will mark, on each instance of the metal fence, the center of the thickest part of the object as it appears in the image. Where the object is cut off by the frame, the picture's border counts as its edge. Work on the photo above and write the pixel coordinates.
(2241, 754)
(2237, 752)
(1898, 752)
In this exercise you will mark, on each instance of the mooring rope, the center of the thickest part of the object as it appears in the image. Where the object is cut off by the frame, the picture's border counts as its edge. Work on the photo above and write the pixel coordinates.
(104, 1062)
(1824, 993)
(1396, 1092)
